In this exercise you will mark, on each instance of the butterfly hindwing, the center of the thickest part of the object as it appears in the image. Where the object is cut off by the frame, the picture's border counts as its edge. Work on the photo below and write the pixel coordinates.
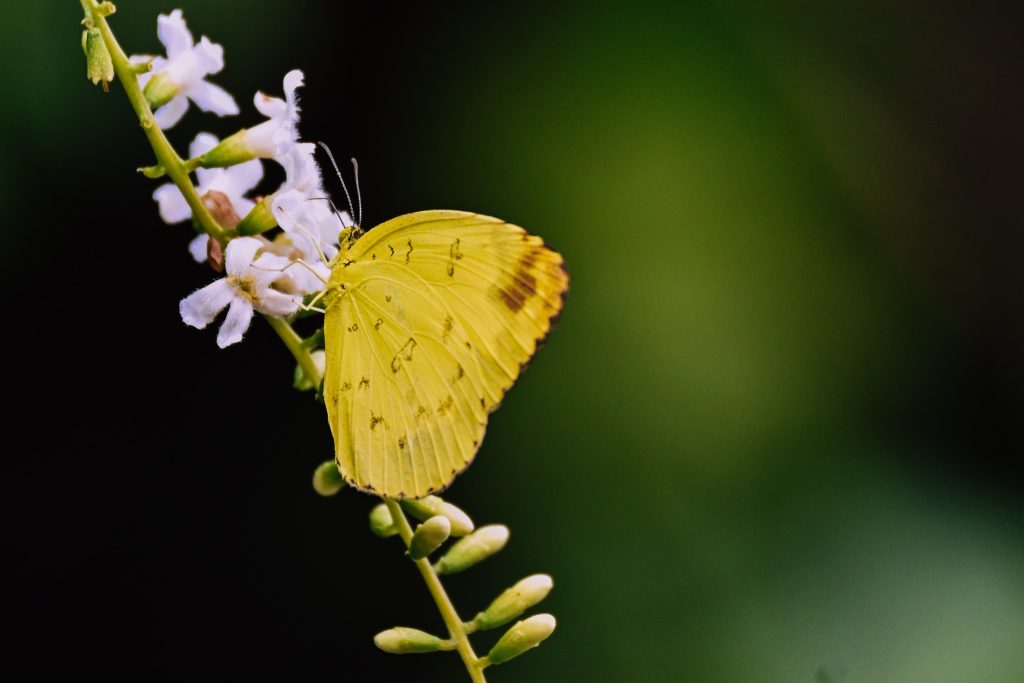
(430, 318)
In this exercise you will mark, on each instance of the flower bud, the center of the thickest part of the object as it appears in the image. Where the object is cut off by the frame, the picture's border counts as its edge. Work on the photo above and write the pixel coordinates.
(98, 66)
(259, 219)
(160, 89)
(476, 547)
(525, 635)
(429, 536)
(514, 601)
(427, 507)
(303, 383)
(381, 523)
(402, 640)
(327, 479)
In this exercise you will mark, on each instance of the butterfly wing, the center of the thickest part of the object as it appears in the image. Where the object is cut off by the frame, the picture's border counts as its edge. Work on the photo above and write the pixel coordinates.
(431, 318)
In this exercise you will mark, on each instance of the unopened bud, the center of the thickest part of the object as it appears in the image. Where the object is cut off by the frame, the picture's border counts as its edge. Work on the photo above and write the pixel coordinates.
(381, 522)
(525, 635)
(429, 536)
(514, 601)
(327, 479)
(259, 219)
(402, 640)
(476, 547)
(427, 507)
(98, 66)
(160, 89)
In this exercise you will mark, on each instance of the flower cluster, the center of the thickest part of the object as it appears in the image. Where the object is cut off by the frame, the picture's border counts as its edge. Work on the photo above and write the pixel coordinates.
(269, 273)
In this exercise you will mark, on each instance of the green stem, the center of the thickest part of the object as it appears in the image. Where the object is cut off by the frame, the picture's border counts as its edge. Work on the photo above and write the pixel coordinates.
(165, 154)
(294, 343)
(444, 604)
(179, 170)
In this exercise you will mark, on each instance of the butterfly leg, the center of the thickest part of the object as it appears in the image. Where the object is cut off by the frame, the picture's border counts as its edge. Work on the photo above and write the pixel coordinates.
(311, 305)
(297, 262)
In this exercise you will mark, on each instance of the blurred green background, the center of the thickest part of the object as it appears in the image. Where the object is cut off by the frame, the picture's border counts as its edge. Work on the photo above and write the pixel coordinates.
(776, 436)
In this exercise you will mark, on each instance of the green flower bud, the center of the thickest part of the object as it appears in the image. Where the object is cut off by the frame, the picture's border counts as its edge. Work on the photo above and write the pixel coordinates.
(525, 635)
(402, 640)
(429, 536)
(303, 383)
(327, 479)
(98, 66)
(427, 507)
(160, 90)
(514, 601)
(232, 150)
(476, 547)
(381, 523)
(259, 219)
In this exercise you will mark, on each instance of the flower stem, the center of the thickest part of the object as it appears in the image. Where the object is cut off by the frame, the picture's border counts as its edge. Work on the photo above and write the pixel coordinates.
(451, 618)
(178, 171)
(165, 154)
(294, 343)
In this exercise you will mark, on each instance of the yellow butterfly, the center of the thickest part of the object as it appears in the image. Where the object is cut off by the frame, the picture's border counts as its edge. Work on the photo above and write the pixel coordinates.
(429, 319)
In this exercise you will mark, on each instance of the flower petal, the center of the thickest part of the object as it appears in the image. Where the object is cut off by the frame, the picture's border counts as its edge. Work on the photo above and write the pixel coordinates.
(174, 34)
(278, 303)
(268, 268)
(301, 170)
(293, 80)
(269, 106)
(173, 208)
(202, 144)
(169, 114)
(240, 255)
(243, 177)
(213, 98)
(210, 56)
(198, 248)
(236, 323)
(209, 179)
(242, 205)
(200, 307)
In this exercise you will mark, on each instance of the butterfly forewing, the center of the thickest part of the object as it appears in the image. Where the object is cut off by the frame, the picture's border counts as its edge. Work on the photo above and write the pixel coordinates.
(429, 320)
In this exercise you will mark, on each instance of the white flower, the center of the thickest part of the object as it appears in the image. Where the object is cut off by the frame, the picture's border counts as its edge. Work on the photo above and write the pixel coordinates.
(301, 205)
(174, 81)
(233, 183)
(303, 210)
(280, 130)
(246, 288)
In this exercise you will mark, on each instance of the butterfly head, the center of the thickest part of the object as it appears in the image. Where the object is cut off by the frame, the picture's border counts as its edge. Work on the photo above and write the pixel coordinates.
(348, 237)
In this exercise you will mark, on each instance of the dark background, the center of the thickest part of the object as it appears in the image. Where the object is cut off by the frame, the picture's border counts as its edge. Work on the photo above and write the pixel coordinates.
(776, 437)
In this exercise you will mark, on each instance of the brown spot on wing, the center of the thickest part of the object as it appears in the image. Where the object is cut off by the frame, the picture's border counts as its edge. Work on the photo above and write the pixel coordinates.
(523, 285)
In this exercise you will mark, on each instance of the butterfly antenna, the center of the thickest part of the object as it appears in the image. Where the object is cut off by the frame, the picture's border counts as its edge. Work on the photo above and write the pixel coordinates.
(337, 171)
(359, 195)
